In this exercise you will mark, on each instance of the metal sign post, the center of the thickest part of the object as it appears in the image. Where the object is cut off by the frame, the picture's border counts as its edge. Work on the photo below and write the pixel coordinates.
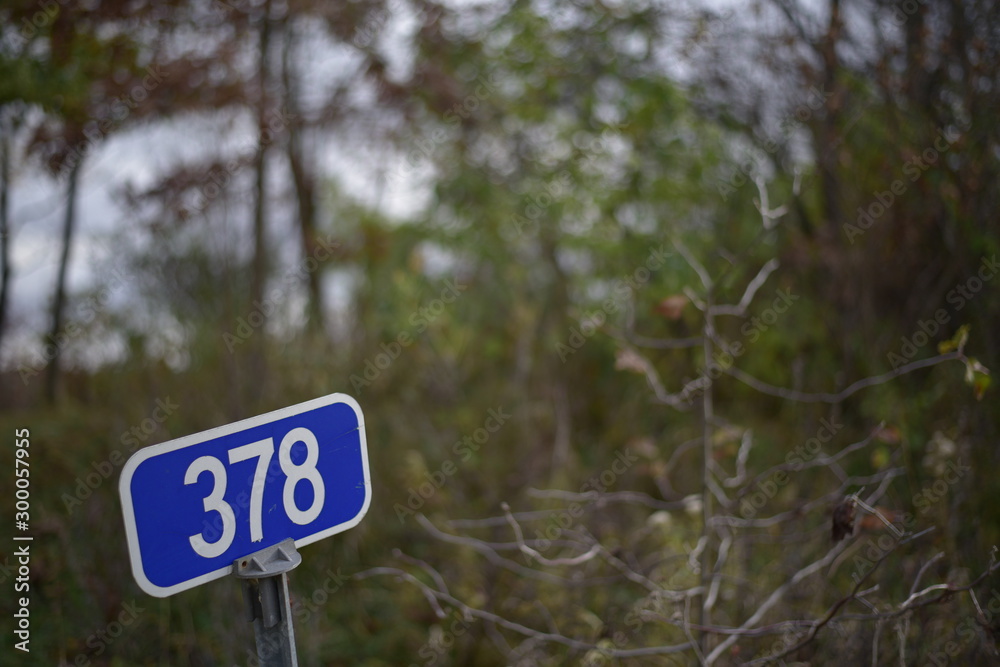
(264, 576)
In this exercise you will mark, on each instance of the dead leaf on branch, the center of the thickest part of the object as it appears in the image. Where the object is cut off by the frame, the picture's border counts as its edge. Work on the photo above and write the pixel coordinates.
(843, 519)
(629, 360)
(672, 307)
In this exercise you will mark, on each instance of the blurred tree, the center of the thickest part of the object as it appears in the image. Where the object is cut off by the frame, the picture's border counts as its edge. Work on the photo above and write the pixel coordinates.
(899, 222)
(303, 173)
(84, 71)
(56, 334)
(64, 66)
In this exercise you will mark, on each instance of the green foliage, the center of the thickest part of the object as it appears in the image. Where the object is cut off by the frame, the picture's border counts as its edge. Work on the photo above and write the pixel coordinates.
(568, 169)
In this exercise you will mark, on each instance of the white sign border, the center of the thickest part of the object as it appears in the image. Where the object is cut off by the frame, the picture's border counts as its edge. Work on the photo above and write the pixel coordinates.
(125, 486)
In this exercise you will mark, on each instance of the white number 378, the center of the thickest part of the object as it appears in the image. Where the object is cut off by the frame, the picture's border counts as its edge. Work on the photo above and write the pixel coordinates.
(263, 451)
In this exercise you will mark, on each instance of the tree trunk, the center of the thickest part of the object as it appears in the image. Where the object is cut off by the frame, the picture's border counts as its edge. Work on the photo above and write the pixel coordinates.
(304, 183)
(555, 323)
(259, 276)
(258, 279)
(4, 231)
(58, 304)
(703, 614)
(830, 126)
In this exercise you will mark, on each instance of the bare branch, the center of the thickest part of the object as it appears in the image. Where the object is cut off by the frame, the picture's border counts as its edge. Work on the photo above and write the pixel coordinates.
(824, 460)
(920, 594)
(746, 444)
(631, 574)
(493, 521)
(550, 637)
(775, 596)
(874, 510)
(821, 501)
(661, 343)
(907, 606)
(528, 551)
(633, 497)
(823, 397)
(706, 280)
(688, 633)
(423, 565)
(639, 363)
(630, 336)
(492, 555)
(716, 490)
(901, 632)
(758, 281)
(769, 216)
(694, 298)
(713, 591)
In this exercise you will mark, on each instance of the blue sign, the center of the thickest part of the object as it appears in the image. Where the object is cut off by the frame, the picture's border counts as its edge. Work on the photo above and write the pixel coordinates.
(194, 505)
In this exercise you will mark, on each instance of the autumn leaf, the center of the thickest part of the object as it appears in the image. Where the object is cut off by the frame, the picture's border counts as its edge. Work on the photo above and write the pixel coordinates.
(672, 307)
(978, 376)
(629, 360)
(957, 341)
(888, 434)
(880, 458)
(980, 385)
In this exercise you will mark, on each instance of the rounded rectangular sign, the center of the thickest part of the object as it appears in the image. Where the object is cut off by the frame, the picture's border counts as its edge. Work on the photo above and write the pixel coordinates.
(194, 505)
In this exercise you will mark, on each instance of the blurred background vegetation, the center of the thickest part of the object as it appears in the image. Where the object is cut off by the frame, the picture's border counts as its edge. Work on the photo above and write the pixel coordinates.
(238, 206)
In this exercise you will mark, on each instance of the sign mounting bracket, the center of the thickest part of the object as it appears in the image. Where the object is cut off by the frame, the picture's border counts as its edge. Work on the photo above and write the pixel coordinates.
(264, 576)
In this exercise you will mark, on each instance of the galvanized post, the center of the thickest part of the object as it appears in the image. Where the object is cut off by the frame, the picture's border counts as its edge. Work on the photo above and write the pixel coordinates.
(265, 592)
